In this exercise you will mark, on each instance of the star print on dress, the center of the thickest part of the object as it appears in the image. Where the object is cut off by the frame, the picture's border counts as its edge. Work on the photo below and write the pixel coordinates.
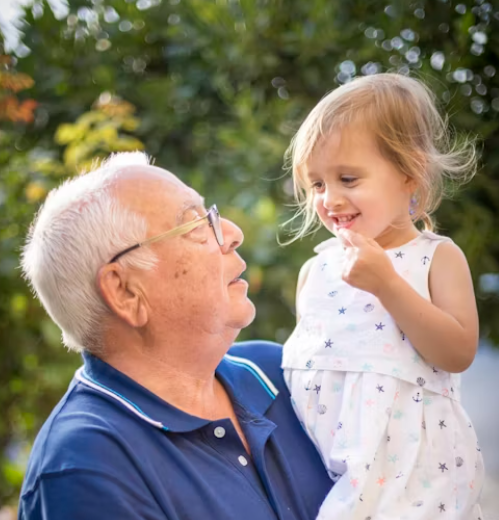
(369, 307)
(443, 467)
(328, 344)
(441, 507)
(332, 294)
(379, 388)
(342, 310)
(317, 388)
(323, 266)
(380, 326)
(399, 255)
(426, 483)
(442, 424)
(425, 260)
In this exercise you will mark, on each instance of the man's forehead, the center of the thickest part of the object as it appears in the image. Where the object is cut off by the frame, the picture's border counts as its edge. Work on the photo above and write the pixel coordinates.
(147, 188)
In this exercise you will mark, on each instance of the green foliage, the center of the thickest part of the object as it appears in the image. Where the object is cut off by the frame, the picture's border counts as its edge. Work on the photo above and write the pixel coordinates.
(219, 88)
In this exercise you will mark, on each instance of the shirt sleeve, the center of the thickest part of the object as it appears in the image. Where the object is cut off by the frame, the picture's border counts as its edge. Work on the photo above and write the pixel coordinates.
(87, 495)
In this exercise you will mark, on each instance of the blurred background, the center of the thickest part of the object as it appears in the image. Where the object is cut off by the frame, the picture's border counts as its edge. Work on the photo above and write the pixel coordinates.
(214, 90)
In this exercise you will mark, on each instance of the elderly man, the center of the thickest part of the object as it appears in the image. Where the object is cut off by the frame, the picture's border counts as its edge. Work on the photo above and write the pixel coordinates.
(160, 422)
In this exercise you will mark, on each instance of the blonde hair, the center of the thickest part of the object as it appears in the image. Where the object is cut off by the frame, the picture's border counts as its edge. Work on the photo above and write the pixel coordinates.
(410, 132)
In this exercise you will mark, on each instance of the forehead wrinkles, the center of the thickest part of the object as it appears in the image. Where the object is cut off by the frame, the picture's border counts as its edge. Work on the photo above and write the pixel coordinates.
(155, 194)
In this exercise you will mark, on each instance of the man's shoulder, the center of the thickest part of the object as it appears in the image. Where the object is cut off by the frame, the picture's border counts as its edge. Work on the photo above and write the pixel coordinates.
(73, 438)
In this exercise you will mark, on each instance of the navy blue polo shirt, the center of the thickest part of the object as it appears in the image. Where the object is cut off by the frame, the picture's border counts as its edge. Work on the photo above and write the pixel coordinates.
(113, 450)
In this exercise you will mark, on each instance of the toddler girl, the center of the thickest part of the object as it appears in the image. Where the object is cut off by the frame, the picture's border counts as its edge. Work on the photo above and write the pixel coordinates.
(386, 313)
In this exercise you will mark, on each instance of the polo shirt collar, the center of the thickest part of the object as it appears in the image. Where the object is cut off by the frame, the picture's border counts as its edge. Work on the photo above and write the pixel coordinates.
(247, 386)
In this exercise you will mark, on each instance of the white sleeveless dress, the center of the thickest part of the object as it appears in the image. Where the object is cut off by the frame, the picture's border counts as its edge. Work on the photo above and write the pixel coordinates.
(389, 427)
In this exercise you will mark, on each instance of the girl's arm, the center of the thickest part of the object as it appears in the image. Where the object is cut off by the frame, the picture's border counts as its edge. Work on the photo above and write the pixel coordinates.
(444, 330)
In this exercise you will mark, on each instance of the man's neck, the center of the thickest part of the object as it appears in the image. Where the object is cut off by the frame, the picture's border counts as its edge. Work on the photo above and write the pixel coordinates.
(181, 373)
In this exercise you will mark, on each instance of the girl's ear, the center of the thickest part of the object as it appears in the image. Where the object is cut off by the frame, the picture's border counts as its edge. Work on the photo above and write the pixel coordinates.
(411, 184)
(421, 164)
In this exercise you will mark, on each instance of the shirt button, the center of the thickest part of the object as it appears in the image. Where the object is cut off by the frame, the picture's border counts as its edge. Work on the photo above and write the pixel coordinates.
(242, 460)
(219, 432)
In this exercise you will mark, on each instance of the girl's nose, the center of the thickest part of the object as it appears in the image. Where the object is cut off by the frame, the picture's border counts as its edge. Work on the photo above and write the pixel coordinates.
(333, 200)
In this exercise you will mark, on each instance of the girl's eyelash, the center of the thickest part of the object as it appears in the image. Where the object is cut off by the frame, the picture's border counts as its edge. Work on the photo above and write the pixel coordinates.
(348, 179)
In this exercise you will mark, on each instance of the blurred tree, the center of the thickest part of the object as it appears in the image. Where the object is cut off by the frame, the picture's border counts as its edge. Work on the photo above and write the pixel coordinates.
(220, 87)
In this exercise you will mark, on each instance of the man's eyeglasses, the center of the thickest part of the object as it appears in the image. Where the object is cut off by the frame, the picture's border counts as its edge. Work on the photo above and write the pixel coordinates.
(213, 217)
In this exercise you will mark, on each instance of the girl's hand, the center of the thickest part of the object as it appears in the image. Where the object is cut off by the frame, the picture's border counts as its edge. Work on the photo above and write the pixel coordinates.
(367, 266)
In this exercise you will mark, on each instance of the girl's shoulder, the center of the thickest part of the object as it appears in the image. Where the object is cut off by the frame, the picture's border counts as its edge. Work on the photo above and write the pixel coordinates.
(429, 235)
(330, 243)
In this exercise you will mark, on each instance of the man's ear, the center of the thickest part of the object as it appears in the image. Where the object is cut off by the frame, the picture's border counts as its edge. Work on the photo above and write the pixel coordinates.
(121, 295)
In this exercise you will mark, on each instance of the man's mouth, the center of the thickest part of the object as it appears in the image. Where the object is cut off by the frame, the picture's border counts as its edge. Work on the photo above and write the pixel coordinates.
(239, 278)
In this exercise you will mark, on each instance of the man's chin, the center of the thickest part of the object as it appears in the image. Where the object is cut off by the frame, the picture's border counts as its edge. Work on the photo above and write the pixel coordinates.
(245, 316)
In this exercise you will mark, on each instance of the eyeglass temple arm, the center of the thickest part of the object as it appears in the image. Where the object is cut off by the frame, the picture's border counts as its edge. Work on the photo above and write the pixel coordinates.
(172, 233)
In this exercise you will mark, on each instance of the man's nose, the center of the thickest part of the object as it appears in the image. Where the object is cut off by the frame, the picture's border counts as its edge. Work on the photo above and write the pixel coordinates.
(233, 235)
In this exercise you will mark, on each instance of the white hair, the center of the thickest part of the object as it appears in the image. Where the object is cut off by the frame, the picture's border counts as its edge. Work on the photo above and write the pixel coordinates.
(79, 228)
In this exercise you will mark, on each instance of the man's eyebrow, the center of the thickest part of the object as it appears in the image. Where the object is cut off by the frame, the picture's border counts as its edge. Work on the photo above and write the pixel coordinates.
(188, 206)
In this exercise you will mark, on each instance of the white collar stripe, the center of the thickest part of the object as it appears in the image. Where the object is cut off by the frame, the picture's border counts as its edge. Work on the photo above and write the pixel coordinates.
(84, 378)
(256, 371)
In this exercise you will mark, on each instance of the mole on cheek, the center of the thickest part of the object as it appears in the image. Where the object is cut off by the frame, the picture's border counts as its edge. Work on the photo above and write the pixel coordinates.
(176, 274)
(184, 271)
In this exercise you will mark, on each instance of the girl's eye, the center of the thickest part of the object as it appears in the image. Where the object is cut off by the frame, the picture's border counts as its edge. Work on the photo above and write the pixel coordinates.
(346, 179)
(318, 186)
